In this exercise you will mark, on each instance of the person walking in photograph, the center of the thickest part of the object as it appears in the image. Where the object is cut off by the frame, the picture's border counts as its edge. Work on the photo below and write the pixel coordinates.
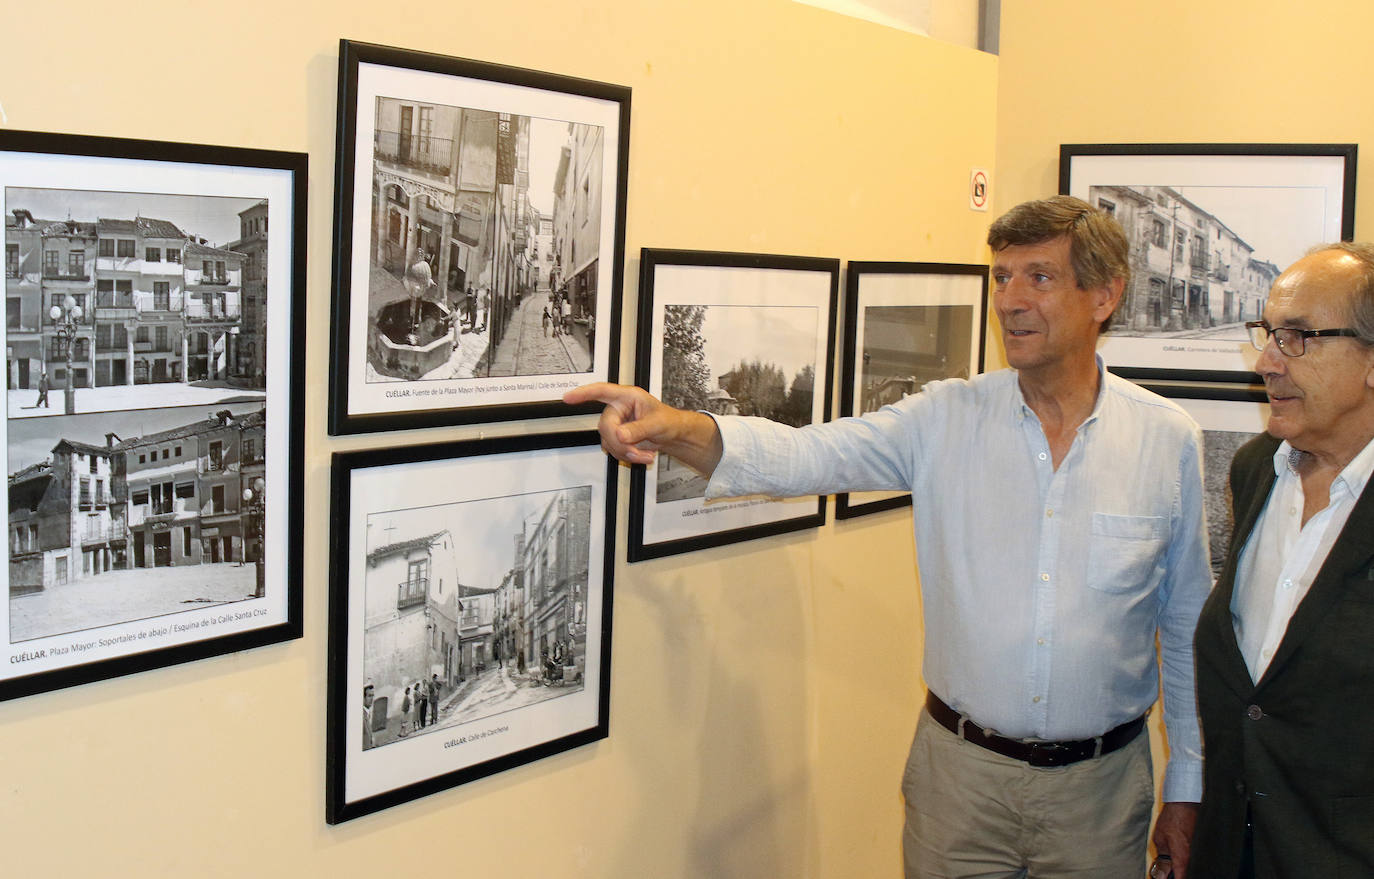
(42, 391)
(434, 700)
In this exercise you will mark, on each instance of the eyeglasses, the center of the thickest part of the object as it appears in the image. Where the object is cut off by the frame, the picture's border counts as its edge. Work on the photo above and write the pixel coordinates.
(1291, 340)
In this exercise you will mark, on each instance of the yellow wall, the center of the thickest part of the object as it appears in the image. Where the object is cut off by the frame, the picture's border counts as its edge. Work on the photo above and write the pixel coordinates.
(763, 695)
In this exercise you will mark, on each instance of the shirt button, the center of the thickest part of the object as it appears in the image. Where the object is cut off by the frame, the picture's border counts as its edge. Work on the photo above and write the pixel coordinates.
(1254, 712)
(1040, 641)
(1049, 514)
(1287, 584)
(1045, 578)
(1292, 511)
(1036, 699)
(1041, 456)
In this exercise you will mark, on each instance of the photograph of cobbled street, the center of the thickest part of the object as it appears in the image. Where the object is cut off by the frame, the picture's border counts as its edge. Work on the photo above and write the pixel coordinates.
(905, 347)
(1202, 259)
(485, 243)
(136, 380)
(474, 609)
(735, 360)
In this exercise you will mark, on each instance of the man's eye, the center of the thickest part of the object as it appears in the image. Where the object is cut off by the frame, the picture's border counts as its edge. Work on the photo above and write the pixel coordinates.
(1040, 277)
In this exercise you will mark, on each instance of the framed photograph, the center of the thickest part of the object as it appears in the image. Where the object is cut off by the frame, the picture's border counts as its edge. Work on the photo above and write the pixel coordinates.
(734, 334)
(1210, 226)
(470, 612)
(1229, 417)
(479, 240)
(154, 433)
(906, 324)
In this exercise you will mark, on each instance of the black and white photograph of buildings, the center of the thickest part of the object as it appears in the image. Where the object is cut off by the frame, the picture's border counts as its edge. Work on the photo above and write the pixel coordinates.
(736, 360)
(130, 515)
(907, 346)
(118, 300)
(136, 376)
(474, 609)
(485, 240)
(1203, 258)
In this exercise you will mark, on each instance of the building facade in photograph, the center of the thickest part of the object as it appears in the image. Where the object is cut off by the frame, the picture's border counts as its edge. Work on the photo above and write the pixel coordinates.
(453, 183)
(64, 520)
(555, 561)
(184, 489)
(577, 217)
(411, 611)
(23, 300)
(1189, 270)
(165, 499)
(252, 341)
(147, 314)
(476, 629)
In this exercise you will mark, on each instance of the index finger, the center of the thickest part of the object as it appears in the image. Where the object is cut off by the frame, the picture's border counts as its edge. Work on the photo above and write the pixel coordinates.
(603, 392)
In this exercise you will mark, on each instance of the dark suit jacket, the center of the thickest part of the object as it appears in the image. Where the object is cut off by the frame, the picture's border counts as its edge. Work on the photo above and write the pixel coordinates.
(1298, 747)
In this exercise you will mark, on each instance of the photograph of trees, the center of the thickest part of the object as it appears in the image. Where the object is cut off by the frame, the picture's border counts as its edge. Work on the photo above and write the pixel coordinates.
(736, 360)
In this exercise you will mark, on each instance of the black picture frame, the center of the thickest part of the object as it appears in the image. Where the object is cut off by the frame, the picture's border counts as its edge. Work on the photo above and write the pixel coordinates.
(797, 299)
(533, 518)
(906, 348)
(1229, 417)
(1210, 226)
(146, 476)
(463, 158)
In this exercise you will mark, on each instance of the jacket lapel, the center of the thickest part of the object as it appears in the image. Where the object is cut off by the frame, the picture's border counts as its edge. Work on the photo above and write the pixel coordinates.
(1352, 550)
(1258, 484)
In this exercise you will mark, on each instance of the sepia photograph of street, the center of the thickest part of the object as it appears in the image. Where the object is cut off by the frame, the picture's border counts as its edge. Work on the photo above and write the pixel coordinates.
(735, 360)
(485, 242)
(474, 609)
(130, 515)
(907, 346)
(1203, 258)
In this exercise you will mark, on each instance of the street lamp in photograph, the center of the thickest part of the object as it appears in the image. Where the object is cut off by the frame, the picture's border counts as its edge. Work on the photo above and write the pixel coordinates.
(65, 318)
(255, 503)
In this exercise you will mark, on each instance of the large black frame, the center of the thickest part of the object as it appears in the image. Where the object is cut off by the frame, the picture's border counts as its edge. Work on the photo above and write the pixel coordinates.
(643, 545)
(491, 90)
(423, 766)
(847, 506)
(1281, 199)
(255, 449)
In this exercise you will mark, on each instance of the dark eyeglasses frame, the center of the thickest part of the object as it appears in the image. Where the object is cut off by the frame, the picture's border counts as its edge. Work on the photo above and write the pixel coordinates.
(1295, 336)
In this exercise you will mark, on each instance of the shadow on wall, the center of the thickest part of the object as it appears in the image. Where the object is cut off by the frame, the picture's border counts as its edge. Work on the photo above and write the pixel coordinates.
(732, 768)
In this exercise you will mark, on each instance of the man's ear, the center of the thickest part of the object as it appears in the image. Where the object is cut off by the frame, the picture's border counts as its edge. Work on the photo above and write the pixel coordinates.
(1107, 297)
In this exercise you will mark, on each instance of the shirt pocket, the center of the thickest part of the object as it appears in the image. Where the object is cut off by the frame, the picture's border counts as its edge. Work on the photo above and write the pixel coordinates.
(1123, 551)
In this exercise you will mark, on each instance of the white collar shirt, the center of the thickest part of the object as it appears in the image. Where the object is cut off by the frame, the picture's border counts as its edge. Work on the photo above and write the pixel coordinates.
(1282, 556)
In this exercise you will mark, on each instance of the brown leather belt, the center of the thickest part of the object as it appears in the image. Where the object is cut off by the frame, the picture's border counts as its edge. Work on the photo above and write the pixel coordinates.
(1040, 754)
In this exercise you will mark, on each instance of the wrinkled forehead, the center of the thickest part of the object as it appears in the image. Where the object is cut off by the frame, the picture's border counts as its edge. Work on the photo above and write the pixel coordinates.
(1315, 292)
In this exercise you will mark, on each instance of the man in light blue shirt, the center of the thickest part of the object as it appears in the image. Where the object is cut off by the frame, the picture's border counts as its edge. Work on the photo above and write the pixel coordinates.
(1059, 530)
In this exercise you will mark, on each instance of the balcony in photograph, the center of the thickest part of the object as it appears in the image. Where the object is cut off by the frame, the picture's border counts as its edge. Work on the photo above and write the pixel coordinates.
(410, 593)
(431, 156)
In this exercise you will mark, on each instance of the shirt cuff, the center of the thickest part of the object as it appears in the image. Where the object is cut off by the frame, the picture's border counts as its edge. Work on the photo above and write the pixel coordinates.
(1183, 781)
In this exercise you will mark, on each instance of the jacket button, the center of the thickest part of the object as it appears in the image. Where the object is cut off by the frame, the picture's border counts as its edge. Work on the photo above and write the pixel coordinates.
(1254, 712)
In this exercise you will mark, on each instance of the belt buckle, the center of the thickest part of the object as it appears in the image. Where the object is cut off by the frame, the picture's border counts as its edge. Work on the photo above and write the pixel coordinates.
(1047, 755)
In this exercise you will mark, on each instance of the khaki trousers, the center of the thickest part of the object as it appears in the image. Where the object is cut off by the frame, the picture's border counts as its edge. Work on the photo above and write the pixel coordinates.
(972, 813)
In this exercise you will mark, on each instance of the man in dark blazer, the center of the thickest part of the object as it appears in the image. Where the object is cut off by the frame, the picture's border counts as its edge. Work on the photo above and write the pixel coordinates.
(1285, 644)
